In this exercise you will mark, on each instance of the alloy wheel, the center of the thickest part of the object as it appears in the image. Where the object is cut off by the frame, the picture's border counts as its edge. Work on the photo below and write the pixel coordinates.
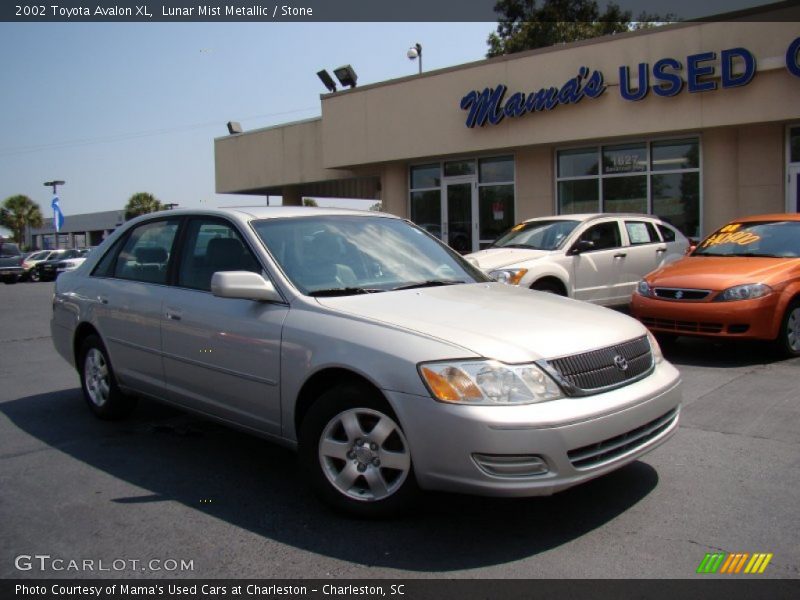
(364, 454)
(95, 373)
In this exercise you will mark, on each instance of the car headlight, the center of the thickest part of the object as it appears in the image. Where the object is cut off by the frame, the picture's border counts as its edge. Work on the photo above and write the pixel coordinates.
(509, 276)
(643, 289)
(748, 291)
(488, 382)
(655, 348)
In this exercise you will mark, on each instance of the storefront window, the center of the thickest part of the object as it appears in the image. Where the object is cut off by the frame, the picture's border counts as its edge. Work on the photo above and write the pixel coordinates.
(426, 211)
(676, 154)
(794, 144)
(425, 176)
(454, 168)
(496, 208)
(625, 158)
(676, 199)
(496, 170)
(661, 177)
(577, 163)
(625, 194)
(579, 196)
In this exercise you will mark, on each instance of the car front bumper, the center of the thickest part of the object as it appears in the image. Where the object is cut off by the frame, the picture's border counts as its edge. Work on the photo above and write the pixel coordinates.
(577, 439)
(748, 319)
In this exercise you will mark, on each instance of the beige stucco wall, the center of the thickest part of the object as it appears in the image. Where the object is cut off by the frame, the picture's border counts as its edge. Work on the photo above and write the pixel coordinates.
(420, 117)
(271, 158)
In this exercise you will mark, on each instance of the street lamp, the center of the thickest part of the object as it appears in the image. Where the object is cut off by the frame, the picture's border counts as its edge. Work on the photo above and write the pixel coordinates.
(54, 184)
(415, 52)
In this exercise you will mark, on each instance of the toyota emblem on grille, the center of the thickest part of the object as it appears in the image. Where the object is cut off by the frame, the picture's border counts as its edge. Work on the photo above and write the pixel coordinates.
(621, 362)
(678, 295)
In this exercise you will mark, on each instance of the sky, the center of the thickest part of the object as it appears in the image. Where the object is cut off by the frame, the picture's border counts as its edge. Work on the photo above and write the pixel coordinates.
(119, 108)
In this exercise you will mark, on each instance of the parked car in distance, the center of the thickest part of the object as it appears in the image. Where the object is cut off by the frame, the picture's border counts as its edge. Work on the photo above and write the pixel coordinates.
(380, 354)
(34, 258)
(47, 270)
(598, 258)
(70, 264)
(11, 269)
(742, 281)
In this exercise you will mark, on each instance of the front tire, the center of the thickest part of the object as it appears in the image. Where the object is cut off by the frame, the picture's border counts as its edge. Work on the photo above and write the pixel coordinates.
(355, 454)
(788, 340)
(98, 383)
(549, 287)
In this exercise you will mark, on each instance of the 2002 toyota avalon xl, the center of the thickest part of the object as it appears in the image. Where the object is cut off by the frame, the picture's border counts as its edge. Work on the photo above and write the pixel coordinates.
(388, 361)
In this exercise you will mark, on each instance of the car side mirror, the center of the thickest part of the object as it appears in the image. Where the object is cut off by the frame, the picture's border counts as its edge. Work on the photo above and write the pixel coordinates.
(581, 246)
(244, 285)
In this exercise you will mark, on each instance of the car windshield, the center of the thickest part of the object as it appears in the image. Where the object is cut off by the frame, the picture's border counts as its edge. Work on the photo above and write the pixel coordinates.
(537, 235)
(8, 250)
(344, 254)
(779, 239)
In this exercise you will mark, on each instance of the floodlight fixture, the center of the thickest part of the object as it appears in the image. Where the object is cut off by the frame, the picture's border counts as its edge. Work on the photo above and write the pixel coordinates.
(327, 80)
(414, 53)
(54, 184)
(234, 127)
(346, 76)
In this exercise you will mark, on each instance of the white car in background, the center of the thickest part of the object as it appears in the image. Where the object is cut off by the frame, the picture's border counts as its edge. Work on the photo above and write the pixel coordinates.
(598, 258)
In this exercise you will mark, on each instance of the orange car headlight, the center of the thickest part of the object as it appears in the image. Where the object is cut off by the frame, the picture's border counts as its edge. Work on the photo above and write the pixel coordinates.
(748, 291)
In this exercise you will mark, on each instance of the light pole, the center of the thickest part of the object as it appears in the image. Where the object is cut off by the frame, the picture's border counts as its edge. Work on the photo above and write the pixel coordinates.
(414, 53)
(54, 184)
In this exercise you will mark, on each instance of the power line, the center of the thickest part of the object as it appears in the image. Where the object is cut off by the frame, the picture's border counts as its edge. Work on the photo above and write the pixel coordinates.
(132, 135)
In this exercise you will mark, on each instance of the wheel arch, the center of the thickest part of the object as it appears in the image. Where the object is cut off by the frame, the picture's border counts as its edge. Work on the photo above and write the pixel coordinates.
(325, 379)
(553, 279)
(84, 330)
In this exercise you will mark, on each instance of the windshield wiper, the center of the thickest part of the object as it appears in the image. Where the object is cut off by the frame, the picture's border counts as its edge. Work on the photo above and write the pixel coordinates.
(345, 291)
(528, 246)
(428, 283)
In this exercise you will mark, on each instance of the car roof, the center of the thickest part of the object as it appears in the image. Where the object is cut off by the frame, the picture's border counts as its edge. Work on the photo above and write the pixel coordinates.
(269, 212)
(583, 217)
(769, 217)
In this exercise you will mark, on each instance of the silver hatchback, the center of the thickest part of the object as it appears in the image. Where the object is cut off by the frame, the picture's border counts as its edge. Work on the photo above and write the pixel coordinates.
(389, 362)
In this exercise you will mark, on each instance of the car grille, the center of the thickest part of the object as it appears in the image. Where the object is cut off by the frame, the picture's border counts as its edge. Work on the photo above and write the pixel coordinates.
(680, 294)
(682, 326)
(598, 370)
(607, 450)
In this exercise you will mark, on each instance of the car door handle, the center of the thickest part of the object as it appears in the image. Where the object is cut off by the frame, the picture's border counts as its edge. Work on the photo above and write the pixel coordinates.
(173, 315)
(620, 255)
(102, 300)
(660, 250)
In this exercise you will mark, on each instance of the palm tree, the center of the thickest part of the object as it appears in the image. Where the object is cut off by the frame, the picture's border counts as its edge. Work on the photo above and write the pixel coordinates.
(142, 203)
(19, 212)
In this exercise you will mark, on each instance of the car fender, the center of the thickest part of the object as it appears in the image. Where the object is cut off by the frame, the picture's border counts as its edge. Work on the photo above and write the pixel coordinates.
(382, 354)
(541, 269)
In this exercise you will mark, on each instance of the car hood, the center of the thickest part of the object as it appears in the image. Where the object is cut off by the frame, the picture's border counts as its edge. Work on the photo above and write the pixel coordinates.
(719, 272)
(495, 320)
(497, 258)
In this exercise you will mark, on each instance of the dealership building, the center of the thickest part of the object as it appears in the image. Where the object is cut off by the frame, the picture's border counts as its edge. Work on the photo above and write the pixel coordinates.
(695, 122)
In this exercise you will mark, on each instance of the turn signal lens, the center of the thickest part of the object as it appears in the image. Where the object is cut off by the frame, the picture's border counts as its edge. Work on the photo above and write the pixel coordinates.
(488, 382)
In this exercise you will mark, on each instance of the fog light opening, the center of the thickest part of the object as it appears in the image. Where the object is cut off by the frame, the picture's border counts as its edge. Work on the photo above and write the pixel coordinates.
(511, 465)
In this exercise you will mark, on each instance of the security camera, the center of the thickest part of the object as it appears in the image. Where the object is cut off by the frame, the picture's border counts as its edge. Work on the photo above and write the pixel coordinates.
(412, 53)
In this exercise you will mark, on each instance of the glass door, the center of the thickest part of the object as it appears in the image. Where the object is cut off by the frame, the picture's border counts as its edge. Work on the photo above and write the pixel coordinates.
(459, 215)
(793, 193)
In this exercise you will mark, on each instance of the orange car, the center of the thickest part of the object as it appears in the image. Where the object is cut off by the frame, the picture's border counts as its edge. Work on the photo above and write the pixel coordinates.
(742, 281)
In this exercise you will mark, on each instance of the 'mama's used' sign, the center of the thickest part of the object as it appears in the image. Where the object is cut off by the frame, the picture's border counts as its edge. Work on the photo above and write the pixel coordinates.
(491, 107)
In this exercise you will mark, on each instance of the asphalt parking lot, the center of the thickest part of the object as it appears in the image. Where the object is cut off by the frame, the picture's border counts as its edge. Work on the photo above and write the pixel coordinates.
(168, 486)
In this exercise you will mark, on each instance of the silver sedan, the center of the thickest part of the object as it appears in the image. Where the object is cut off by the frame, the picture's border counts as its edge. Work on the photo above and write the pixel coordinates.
(389, 362)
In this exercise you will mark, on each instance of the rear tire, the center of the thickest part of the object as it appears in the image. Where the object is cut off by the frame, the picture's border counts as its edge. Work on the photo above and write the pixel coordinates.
(788, 340)
(355, 454)
(98, 383)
